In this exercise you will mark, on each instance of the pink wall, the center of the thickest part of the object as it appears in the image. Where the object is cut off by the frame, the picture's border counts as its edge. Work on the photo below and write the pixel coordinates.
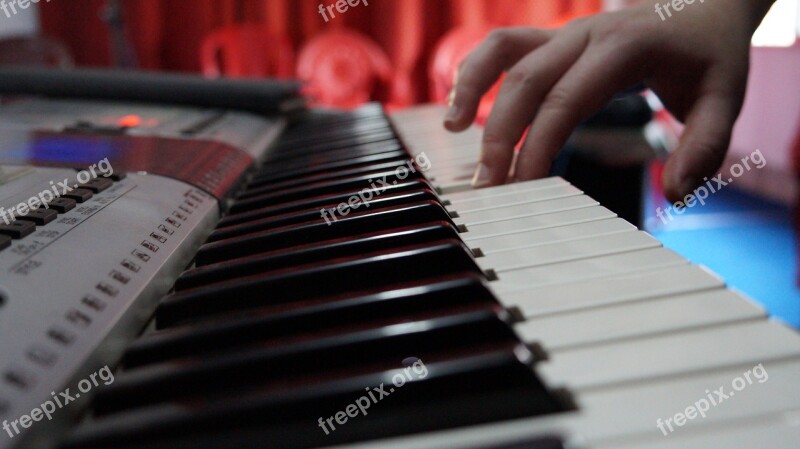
(770, 120)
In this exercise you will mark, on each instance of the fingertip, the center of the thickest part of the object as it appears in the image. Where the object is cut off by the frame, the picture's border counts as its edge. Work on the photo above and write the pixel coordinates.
(482, 177)
(677, 184)
(454, 120)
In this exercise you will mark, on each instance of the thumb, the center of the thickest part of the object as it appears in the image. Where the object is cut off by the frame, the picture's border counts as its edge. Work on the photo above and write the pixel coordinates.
(703, 144)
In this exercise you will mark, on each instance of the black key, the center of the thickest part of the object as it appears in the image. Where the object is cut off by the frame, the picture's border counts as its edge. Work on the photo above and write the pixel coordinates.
(319, 280)
(98, 185)
(328, 175)
(5, 242)
(292, 151)
(290, 236)
(468, 391)
(79, 195)
(327, 213)
(347, 154)
(62, 205)
(420, 300)
(246, 210)
(40, 216)
(273, 366)
(331, 134)
(276, 173)
(547, 442)
(17, 229)
(367, 181)
(315, 252)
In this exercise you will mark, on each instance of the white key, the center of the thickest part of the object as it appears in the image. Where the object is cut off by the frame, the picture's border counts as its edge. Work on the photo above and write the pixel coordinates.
(611, 416)
(490, 245)
(516, 211)
(477, 231)
(632, 320)
(511, 198)
(585, 269)
(773, 432)
(636, 409)
(562, 298)
(524, 255)
(505, 189)
(669, 355)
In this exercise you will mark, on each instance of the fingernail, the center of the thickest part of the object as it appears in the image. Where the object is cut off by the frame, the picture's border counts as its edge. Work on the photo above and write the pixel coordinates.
(481, 177)
(452, 114)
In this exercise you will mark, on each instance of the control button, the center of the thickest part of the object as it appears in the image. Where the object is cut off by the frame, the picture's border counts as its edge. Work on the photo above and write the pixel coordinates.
(141, 255)
(61, 336)
(118, 176)
(107, 289)
(119, 277)
(78, 318)
(150, 245)
(18, 229)
(62, 205)
(173, 222)
(98, 185)
(40, 217)
(93, 303)
(79, 195)
(130, 265)
(42, 356)
(19, 379)
(5, 242)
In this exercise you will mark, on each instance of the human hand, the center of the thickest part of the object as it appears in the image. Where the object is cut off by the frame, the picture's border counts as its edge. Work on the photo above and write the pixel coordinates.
(696, 62)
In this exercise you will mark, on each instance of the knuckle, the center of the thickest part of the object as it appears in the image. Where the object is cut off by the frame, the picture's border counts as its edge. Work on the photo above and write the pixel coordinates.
(494, 141)
(520, 78)
(557, 99)
(498, 38)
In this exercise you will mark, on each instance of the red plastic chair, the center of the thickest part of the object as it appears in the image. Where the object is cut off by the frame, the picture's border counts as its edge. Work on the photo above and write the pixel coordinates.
(249, 50)
(341, 68)
(452, 48)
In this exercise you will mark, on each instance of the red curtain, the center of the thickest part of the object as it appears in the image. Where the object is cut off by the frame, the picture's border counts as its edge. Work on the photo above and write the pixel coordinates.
(166, 34)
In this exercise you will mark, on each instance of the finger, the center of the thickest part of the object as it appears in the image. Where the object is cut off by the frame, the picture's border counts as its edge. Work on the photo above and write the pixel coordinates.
(586, 87)
(703, 144)
(481, 68)
(522, 91)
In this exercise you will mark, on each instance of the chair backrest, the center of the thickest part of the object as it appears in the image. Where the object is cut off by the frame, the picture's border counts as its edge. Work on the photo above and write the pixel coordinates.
(246, 50)
(341, 68)
(34, 51)
(451, 49)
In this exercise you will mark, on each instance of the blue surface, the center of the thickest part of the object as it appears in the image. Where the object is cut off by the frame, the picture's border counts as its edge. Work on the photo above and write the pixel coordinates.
(747, 240)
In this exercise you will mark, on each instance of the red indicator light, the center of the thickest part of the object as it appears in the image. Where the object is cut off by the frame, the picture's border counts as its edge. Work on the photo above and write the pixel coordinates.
(130, 121)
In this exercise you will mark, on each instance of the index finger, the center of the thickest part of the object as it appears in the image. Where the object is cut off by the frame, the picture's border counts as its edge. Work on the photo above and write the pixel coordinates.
(481, 68)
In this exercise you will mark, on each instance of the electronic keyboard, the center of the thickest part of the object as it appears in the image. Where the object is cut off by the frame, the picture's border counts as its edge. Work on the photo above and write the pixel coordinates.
(334, 281)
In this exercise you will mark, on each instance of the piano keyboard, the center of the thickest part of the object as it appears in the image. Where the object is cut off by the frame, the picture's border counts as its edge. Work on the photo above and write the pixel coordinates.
(520, 316)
